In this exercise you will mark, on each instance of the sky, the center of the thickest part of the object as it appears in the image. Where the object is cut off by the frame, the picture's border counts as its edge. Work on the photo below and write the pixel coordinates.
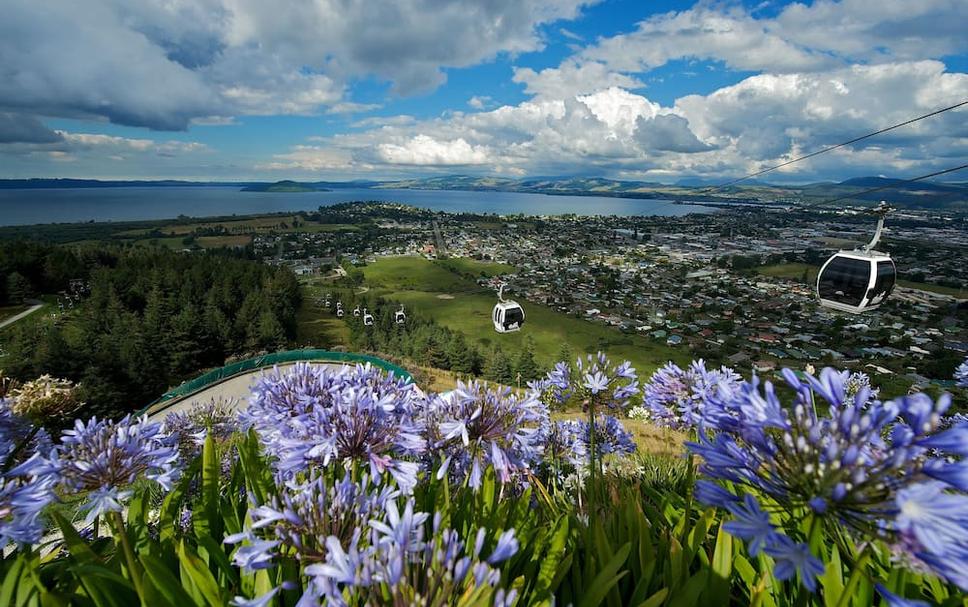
(387, 89)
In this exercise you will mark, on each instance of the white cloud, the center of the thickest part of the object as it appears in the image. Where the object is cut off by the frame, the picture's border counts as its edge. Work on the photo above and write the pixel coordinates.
(801, 38)
(572, 78)
(424, 150)
(737, 129)
(479, 102)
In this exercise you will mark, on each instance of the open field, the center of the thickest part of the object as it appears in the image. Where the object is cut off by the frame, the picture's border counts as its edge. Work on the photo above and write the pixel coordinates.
(794, 271)
(459, 304)
(241, 226)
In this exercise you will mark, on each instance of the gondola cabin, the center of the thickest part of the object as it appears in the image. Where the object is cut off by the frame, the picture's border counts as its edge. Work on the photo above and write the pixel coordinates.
(859, 280)
(856, 281)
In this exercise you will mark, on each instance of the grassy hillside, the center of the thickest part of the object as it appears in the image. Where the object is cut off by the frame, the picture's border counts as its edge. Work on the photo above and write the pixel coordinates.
(455, 301)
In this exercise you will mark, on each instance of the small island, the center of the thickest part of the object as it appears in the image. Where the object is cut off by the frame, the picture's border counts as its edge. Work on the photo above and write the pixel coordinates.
(282, 186)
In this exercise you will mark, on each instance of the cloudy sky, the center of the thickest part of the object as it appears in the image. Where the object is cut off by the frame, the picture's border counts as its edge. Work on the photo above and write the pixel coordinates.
(346, 89)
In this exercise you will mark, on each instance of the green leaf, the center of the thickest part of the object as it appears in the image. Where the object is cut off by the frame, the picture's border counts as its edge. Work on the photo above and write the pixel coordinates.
(689, 594)
(210, 523)
(656, 599)
(169, 587)
(199, 574)
(832, 580)
(171, 506)
(552, 559)
(217, 554)
(722, 570)
(12, 580)
(606, 578)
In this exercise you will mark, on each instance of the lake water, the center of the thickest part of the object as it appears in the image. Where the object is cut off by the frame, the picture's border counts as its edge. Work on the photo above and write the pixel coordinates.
(29, 206)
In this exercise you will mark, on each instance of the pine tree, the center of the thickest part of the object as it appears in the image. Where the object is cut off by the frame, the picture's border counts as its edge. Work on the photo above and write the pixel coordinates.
(498, 368)
(526, 366)
(461, 358)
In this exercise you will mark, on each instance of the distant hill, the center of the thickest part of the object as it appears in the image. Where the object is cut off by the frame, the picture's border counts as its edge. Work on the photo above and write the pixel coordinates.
(283, 186)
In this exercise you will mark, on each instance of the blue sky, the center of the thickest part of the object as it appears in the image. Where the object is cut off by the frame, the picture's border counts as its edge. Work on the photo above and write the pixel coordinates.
(384, 89)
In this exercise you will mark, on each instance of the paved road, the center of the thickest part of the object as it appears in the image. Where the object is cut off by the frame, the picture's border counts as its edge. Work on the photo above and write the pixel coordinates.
(24, 314)
(237, 387)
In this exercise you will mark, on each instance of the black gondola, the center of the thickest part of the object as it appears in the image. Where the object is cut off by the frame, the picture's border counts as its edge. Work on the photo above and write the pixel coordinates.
(508, 315)
(859, 280)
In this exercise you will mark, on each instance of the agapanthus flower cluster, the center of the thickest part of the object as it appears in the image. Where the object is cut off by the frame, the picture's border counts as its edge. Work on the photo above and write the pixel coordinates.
(610, 438)
(555, 388)
(676, 396)
(313, 415)
(357, 545)
(394, 558)
(103, 458)
(961, 374)
(190, 427)
(879, 469)
(305, 513)
(25, 487)
(476, 426)
(25, 491)
(858, 381)
(19, 437)
(601, 381)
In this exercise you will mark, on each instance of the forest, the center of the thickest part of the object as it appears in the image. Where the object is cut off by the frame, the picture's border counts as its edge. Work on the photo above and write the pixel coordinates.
(137, 321)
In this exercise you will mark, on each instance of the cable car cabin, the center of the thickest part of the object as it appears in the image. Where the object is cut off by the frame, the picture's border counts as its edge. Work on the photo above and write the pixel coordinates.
(399, 316)
(356, 311)
(508, 316)
(339, 312)
(367, 318)
(856, 281)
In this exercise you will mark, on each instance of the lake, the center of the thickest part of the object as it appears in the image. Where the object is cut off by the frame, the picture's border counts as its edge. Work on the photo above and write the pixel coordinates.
(62, 205)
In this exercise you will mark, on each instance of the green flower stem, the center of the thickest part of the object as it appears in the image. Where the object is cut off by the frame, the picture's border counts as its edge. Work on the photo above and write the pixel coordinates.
(855, 576)
(134, 570)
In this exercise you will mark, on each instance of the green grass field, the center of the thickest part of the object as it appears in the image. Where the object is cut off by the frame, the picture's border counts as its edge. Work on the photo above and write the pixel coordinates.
(458, 303)
(795, 271)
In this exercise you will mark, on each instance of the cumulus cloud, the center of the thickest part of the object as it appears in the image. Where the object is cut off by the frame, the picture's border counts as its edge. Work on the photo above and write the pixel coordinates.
(572, 78)
(737, 129)
(667, 132)
(801, 38)
(425, 150)
(162, 64)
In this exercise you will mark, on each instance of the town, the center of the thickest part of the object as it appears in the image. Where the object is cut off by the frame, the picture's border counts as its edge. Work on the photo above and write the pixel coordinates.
(735, 287)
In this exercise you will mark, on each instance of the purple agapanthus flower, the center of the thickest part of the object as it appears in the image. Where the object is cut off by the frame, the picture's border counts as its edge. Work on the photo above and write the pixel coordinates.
(23, 497)
(312, 415)
(851, 460)
(19, 437)
(216, 418)
(478, 426)
(573, 438)
(894, 600)
(594, 381)
(677, 396)
(105, 458)
(399, 557)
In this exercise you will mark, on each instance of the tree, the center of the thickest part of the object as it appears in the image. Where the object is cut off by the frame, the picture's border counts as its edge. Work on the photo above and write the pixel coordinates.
(18, 288)
(498, 368)
(526, 366)
(460, 357)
